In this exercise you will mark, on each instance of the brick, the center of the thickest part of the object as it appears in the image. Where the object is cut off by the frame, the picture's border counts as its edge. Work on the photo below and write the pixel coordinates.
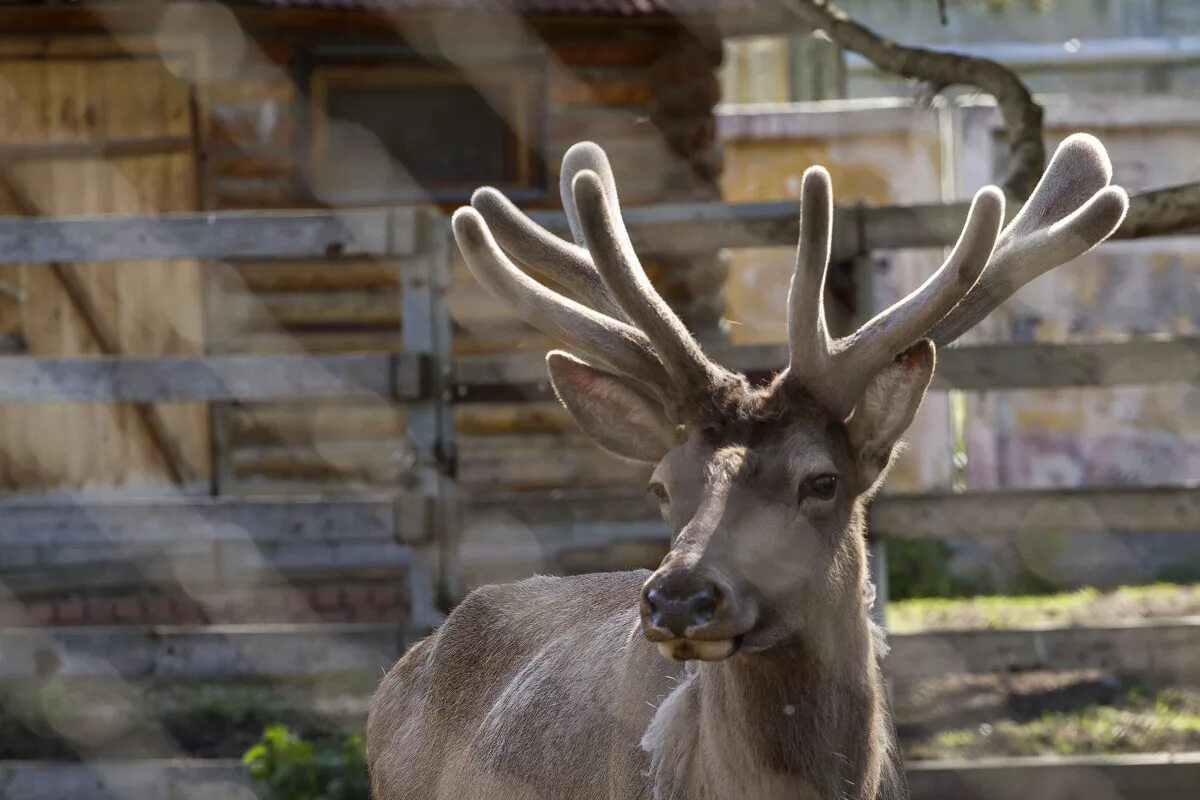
(386, 595)
(69, 612)
(40, 614)
(158, 609)
(357, 595)
(12, 615)
(101, 610)
(186, 611)
(327, 597)
(335, 615)
(129, 609)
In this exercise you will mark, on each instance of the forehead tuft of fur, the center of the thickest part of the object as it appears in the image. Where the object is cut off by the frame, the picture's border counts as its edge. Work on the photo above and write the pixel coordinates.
(743, 413)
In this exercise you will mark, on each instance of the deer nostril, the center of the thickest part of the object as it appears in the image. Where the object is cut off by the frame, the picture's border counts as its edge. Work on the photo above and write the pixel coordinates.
(704, 605)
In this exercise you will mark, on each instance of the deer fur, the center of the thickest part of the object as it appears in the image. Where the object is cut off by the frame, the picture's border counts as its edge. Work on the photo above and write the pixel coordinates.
(746, 665)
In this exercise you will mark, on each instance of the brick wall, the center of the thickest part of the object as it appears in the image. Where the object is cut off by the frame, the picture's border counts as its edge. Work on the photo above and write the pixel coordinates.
(376, 601)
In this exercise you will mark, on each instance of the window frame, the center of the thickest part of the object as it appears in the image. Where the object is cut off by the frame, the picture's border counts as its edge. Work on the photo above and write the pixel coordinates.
(523, 80)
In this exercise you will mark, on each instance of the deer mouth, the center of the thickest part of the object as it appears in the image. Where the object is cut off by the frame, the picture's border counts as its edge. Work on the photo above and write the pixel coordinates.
(699, 649)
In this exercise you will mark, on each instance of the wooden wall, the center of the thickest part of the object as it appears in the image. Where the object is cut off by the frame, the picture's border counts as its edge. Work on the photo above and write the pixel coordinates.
(645, 92)
(93, 128)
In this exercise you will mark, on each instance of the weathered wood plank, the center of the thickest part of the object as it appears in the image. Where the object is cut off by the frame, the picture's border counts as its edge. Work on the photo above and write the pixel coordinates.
(1110, 509)
(1030, 365)
(704, 227)
(213, 378)
(1130, 777)
(213, 651)
(70, 523)
(1166, 650)
(666, 228)
(1153, 649)
(1128, 510)
(54, 549)
(227, 234)
(1009, 365)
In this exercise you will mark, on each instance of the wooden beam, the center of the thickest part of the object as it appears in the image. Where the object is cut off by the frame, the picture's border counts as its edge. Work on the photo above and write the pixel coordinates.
(1152, 649)
(57, 549)
(209, 652)
(1149, 776)
(215, 235)
(666, 228)
(1109, 509)
(210, 379)
(601, 517)
(17, 153)
(1011, 365)
(708, 227)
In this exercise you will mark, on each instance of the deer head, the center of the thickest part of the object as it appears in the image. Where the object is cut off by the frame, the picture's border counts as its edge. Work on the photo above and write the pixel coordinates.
(763, 486)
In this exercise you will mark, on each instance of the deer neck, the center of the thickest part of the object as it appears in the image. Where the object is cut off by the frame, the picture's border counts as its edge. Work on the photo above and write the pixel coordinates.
(802, 719)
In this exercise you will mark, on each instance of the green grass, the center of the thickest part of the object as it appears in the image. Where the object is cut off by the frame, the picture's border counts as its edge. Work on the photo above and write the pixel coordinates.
(1141, 721)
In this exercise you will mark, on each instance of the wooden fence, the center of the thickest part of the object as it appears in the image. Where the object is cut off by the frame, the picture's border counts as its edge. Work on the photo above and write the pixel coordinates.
(426, 519)
(416, 533)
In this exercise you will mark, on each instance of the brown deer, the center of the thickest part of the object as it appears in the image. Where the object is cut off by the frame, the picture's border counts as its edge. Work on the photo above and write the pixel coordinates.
(746, 665)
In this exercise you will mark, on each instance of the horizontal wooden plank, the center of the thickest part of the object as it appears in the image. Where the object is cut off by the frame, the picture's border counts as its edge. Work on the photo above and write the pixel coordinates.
(1008, 365)
(72, 522)
(310, 276)
(56, 549)
(376, 307)
(225, 234)
(666, 228)
(1148, 776)
(1150, 649)
(708, 227)
(1031, 365)
(1164, 650)
(1129, 777)
(609, 516)
(109, 148)
(189, 653)
(1110, 509)
(314, 342)
(212, 378)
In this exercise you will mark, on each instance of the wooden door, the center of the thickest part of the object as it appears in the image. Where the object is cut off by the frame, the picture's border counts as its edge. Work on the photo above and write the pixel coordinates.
(99, 134)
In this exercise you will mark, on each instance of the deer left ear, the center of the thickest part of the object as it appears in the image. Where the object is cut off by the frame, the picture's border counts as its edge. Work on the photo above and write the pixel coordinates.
(887, 408)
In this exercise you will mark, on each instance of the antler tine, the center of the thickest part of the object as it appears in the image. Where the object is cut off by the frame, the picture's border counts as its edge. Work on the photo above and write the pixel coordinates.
(620, 346)
(536, 249)
(838, 371)
(808, 336)
(1071, 210)
(591, 157)
(608, 242)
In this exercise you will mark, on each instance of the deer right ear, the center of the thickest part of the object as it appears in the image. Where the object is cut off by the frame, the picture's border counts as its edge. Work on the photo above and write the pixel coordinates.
(611, 409)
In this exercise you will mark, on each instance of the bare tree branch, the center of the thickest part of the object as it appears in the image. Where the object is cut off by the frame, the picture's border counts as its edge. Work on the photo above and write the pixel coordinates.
(1159, 212)
(1022, 116)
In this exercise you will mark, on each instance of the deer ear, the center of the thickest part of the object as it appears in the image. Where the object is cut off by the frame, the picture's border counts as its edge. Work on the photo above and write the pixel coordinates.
(610, 409)
(887, 408)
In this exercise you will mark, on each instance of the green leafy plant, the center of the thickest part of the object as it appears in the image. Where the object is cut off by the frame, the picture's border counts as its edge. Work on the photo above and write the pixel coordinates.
(291, 768)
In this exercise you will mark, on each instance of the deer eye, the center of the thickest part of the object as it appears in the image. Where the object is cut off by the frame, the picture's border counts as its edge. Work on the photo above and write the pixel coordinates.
(821, 487)
(660, 493)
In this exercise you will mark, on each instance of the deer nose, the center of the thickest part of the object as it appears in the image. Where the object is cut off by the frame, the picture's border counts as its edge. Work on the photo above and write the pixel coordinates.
(678, 608)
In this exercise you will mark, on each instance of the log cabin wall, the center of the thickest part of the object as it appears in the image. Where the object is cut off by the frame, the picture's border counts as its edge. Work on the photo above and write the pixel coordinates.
(644, 91)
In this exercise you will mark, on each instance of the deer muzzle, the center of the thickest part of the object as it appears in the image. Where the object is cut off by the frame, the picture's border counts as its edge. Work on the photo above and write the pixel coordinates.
(690, 614)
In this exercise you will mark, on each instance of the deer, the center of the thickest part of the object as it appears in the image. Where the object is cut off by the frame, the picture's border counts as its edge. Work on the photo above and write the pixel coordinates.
(748, 664)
